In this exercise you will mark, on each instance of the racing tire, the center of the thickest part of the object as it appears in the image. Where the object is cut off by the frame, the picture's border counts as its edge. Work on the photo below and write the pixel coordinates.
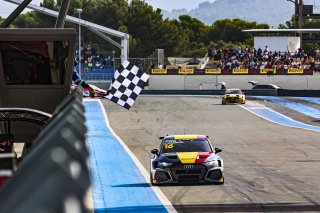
(243, 102)
(224, 103)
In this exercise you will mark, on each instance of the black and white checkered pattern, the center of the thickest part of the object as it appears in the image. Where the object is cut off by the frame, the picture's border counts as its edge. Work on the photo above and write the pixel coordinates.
(127, 83)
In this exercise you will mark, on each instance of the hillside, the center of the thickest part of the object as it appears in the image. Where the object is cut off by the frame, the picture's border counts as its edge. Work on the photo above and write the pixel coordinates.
(272, 12)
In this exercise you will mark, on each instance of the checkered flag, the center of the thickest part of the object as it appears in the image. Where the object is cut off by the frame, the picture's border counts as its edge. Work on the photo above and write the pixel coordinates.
(127, 83)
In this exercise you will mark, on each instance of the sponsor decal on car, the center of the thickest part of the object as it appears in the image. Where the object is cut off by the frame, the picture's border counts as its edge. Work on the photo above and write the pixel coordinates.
(187, 157)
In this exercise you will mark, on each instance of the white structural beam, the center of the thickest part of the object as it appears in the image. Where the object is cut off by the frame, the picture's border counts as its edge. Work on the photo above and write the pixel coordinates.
(282, 31)
(124, 37)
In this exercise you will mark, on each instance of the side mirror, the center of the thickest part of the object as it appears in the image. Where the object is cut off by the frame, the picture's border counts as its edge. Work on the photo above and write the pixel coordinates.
(217, 150)
(155, 151)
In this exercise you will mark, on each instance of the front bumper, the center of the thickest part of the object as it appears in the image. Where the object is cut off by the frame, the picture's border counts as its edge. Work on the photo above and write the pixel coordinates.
(196, 174)
(232, 100)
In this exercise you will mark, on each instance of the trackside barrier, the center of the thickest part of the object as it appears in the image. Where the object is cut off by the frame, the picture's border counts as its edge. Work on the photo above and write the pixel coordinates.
(53, 175)
(266, 92)
(240, 71)
(299, 93)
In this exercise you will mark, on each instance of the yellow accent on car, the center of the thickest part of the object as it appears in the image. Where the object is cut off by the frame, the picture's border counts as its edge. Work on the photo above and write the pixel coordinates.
(185, 137)
(187, 157)
(221, 180)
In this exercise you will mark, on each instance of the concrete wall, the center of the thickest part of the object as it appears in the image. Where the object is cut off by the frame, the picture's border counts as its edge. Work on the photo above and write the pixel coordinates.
(192, 82)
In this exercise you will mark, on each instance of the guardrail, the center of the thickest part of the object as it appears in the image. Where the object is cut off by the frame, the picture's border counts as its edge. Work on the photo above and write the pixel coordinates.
(53, 175)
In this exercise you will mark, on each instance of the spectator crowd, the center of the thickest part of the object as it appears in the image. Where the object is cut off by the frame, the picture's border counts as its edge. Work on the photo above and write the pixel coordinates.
(252, 58)
(92, 60)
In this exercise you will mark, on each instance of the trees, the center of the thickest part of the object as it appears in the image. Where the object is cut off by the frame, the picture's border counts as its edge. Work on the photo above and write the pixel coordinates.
(231, 30)
(148, 30)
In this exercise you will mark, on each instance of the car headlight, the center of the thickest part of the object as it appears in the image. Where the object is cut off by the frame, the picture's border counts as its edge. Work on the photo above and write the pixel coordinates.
(164, 164)
(214, 163)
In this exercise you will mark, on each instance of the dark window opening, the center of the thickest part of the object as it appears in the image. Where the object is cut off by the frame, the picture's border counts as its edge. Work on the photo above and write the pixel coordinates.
(34, 62)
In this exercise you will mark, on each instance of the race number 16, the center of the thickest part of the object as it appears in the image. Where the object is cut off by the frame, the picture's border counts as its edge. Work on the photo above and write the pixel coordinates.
(169, 146)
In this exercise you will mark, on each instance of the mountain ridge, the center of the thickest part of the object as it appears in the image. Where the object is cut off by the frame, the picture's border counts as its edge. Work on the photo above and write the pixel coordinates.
(272, 12)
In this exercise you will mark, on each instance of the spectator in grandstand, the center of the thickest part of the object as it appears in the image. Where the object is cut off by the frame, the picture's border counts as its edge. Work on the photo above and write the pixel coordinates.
(87, 52)
(90, 65)
(266, 51)
(5, 144)
(259, 52)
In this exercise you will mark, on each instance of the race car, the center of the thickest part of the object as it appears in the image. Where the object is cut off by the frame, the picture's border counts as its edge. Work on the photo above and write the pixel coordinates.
(91, 91)
(186, 159)
(234, 95)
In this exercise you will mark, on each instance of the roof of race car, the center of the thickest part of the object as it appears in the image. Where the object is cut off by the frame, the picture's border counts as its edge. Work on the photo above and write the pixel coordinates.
(185, 137)
(232, 89)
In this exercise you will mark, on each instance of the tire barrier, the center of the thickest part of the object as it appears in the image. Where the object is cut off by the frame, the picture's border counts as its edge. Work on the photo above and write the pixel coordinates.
(53, 175)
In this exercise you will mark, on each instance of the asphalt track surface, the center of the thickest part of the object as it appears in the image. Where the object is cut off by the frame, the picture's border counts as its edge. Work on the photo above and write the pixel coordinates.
(268, 167)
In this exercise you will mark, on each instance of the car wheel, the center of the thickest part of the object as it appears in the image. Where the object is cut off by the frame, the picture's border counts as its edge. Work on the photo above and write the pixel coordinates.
(224, 103)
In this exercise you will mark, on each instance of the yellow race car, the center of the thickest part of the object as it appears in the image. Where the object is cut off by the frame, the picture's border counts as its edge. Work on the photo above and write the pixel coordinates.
(234, 95)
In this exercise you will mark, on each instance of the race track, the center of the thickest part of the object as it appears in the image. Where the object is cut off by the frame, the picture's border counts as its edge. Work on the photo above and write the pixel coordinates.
(268, 167)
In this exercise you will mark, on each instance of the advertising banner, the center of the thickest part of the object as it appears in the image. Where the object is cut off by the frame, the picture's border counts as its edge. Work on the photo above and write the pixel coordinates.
(172, 71)
(226, 72)
(159, 71)
(254, 71)
(185, 71)
(308, 72)
(213, 71)
(199, 72)
(267, 70)
(295, 71)
(239, 71)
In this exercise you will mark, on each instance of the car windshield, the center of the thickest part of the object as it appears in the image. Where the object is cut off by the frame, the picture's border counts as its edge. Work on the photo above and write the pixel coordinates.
(233, 91)
(190, 145)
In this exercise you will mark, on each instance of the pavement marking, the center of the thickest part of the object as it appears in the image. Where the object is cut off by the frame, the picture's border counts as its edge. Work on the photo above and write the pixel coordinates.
(298, 107)
(309, 99)
(120, 182)
(276, 117)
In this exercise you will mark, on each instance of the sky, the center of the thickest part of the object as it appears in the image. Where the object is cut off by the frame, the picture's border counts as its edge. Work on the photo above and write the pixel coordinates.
(6, 8)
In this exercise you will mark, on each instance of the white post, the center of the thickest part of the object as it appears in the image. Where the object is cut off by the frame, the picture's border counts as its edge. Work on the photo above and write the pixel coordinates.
(185, 76)
(79, 11)
(114, 61)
